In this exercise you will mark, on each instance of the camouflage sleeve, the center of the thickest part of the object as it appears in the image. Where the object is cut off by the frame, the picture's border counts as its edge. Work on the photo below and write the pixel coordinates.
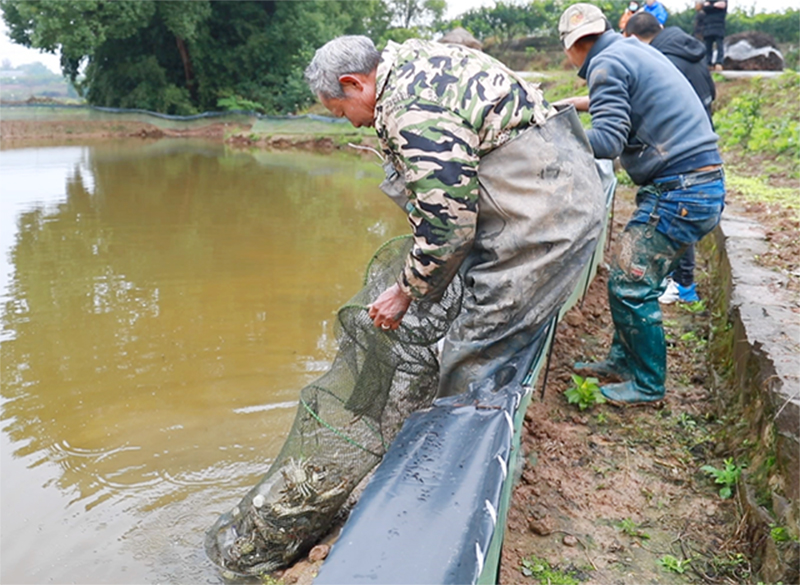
(438, 150)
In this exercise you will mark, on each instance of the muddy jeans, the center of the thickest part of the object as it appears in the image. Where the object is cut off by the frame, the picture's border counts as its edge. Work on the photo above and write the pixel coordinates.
(659, 232)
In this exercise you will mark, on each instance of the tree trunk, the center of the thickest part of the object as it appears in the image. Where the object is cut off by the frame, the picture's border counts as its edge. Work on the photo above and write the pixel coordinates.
(187, 66)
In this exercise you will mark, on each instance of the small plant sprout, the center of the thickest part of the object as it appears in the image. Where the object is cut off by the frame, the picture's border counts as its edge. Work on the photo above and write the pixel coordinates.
(781, 534)
(585, 392)
(545, 574)
(695, 307)
(632, 529)
(726, 477)
(673, 564)
(686, 421)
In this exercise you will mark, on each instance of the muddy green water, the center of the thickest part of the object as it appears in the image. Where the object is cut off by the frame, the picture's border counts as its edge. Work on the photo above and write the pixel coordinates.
(163, 303)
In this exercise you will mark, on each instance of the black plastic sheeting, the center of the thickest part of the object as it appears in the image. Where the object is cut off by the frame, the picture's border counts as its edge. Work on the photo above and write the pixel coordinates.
(429, 512)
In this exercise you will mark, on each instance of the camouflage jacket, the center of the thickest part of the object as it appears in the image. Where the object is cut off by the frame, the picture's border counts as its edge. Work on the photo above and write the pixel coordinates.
(439, 109)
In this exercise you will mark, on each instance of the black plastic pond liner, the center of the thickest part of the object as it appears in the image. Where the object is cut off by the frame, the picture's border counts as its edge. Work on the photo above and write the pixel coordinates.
(430, 511)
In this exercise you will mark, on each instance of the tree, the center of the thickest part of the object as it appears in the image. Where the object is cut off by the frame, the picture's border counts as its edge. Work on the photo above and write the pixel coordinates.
(182, 57)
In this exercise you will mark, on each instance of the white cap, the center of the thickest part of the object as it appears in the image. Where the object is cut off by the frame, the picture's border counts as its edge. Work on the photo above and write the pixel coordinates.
(580, 20)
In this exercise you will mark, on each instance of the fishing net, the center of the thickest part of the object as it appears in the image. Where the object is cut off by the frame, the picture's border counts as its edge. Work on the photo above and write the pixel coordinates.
(344, 424)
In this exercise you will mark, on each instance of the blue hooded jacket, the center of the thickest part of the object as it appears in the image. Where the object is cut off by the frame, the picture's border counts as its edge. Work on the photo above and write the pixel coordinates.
(645, 111)
(657, 9)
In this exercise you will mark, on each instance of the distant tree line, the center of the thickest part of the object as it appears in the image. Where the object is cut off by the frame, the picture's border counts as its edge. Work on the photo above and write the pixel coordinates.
(197, 55)
(506, 20)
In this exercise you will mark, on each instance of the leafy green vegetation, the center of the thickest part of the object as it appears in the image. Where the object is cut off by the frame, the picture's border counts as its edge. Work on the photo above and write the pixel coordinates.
(585, 392)
(763, 119)
(673, 564)
(540, 570)
(632, 529)
(781, 534)
(183, 57)
(727, 477)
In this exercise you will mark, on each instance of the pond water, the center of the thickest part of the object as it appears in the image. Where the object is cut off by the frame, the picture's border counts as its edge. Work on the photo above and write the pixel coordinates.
(163, 304)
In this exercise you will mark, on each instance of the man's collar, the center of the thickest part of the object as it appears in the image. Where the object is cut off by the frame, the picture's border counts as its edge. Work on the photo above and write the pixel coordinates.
(603, 41)
(384, 67)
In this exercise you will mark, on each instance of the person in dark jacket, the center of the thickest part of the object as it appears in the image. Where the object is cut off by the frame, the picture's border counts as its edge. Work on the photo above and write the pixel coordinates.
(714, 32)
(688, 55)
(646, 112)
(697, 22)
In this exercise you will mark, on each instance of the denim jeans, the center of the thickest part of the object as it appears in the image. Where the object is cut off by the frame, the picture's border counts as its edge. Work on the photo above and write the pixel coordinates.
(710, 41)
(684, 273)
(684, 215)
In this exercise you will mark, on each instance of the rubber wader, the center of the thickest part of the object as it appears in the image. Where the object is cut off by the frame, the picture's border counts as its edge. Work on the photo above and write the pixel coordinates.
(541, 208)
(638, 352)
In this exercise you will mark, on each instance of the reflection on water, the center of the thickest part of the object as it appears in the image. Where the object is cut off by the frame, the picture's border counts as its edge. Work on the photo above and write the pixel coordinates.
(163, 304)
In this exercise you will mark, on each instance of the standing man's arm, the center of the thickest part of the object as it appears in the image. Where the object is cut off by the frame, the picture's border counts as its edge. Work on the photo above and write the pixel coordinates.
(610, 108)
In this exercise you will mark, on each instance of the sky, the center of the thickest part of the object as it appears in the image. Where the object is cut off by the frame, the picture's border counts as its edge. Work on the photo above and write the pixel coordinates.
(19, 55)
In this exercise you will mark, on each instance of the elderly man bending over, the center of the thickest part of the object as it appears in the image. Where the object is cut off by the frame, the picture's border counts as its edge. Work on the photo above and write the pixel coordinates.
(497, 185)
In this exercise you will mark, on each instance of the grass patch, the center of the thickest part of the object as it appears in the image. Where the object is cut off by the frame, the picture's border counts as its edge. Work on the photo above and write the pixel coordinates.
(757, 189)
(542, 572)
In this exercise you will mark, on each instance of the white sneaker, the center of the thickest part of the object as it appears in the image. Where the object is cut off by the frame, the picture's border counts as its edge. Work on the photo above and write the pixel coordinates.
(671, 294)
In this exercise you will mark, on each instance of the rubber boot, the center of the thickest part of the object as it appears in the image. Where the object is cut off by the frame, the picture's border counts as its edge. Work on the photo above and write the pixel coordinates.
(635, 282)
(614, 367)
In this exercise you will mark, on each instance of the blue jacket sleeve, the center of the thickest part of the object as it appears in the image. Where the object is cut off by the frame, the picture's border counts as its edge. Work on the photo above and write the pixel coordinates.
(661, 14)
(610, 107)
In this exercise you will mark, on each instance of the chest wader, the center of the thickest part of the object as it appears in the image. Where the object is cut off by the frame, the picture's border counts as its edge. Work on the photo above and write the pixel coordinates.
(638, 351)
(540, 214)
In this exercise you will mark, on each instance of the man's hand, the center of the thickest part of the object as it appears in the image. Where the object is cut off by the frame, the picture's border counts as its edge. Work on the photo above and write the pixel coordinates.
(581, 103)
(389, 308)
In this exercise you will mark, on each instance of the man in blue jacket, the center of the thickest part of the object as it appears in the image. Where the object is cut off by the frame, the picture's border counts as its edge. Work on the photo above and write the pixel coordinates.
(657, 9)
(689, 55)
(644, 111)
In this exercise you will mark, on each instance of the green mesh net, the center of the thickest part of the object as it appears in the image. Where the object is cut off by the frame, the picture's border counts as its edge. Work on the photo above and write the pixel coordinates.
(345, 421)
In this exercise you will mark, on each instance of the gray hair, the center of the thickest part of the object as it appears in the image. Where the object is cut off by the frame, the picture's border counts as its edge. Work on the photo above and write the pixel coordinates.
(342, 55)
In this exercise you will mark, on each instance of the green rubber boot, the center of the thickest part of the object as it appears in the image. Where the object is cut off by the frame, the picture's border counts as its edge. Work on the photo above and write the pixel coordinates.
(629, 394)
(633, 287)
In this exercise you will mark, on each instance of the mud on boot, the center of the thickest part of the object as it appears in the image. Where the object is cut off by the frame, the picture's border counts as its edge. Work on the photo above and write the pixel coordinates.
(630, 394)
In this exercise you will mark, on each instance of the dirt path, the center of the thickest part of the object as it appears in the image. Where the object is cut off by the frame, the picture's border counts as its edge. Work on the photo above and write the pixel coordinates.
(613, 495)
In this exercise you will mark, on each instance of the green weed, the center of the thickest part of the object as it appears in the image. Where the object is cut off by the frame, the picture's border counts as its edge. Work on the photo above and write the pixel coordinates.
(781, 534)
(673, 564)
(632, 529)
(694, 308)
(686, 421)
(585, 392)
(545, 574)
(726, 477)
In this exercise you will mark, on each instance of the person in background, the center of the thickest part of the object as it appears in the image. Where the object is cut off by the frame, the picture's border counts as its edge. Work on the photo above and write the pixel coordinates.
(633, 8)
(657, 9)
(714, 32)
(499, 186)
(698, 21)
(644, 111)
(688, 55)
